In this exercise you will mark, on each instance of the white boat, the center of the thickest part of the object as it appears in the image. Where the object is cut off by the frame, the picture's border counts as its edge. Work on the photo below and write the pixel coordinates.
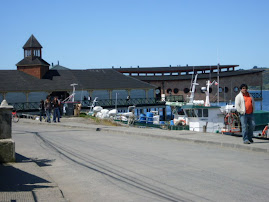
(201, 116)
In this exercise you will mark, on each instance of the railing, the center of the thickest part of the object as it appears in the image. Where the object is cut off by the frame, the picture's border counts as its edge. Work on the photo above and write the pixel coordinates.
(124, 102)
(34, 106)
(256, 95)
(174, 98)
(25, 106)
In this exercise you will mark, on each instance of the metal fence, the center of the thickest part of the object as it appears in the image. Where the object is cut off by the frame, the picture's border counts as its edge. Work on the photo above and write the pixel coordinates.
(256, 95)
(34, 106)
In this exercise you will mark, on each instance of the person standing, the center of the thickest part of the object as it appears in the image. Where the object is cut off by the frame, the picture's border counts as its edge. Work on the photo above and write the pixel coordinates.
(56, 109)
(245, 106)
(47, 106)
(42, 110)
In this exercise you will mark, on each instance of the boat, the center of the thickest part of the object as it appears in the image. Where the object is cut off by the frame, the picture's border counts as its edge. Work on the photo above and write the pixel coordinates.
(201, 116)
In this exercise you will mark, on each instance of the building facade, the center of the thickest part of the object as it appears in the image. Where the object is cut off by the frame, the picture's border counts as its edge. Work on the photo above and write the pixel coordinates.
(177, 80)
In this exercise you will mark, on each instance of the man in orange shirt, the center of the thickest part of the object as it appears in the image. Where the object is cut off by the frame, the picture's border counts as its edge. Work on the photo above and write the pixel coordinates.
(244, 104)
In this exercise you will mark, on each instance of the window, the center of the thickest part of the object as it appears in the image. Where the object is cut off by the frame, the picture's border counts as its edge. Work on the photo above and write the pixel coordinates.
(200, 113)
(186, 90)
(169, 91)
(205, 112)
(175, 90)
(210, 90)
(190, 113)
(236, 89)
(220, 89)
(226, 89)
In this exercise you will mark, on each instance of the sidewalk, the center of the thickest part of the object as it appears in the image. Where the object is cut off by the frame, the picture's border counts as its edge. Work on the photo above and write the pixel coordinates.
(217, 139)
(26, 181)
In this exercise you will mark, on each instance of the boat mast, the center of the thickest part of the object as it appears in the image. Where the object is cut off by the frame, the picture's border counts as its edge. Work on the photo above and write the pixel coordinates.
(74, 91)
(193, 88)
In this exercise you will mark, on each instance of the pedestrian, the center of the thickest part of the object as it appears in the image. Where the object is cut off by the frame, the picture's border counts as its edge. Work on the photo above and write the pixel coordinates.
(47, 106)
(56, 109)
(42, 110)
(245, 106)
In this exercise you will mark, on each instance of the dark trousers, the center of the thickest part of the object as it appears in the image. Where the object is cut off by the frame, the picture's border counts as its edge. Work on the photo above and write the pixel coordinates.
(56, 113)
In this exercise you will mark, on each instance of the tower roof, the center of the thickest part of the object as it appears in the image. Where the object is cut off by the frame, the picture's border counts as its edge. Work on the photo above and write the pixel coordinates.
(32, 43)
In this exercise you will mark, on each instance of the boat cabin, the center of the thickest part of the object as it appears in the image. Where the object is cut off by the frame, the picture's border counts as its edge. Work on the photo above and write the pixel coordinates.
(202, 118)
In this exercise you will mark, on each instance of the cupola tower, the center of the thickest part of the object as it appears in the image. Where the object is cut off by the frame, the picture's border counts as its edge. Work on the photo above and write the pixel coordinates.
(33, 63)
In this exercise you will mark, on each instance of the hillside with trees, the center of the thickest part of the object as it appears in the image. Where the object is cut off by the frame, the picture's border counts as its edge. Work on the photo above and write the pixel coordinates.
(266, 79)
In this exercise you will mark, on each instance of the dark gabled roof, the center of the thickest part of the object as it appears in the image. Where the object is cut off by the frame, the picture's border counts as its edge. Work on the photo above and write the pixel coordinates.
(172, 69)
(200, 76)
(60, 80)
(59, 67)
(31, 61)
(32, 43)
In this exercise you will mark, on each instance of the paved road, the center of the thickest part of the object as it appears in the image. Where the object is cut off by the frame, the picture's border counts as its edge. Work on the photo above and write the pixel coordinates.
(99, 166)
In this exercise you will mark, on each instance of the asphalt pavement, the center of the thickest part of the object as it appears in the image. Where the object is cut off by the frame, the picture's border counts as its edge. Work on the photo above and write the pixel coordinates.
(25, 180)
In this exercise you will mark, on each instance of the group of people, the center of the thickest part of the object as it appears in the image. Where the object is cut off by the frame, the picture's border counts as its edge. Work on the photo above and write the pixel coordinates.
(47, 107)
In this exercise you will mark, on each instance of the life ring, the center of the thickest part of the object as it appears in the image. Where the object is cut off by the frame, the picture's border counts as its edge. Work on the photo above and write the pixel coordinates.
(264, 130)
(183, 122)
(226, 119)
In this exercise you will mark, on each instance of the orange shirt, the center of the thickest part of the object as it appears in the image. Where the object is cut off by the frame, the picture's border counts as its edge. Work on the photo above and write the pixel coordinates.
(248, 104)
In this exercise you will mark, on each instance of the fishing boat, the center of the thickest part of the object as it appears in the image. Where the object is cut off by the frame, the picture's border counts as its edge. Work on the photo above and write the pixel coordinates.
(201, 116)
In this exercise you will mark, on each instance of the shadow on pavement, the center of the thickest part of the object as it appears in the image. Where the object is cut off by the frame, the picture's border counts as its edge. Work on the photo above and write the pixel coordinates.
(14, 179)
(39, 162)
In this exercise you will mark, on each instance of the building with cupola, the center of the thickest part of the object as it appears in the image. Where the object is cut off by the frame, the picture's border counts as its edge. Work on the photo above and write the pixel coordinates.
(34, 80)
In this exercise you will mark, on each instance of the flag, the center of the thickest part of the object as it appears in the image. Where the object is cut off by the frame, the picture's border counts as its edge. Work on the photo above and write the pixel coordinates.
(216, 83)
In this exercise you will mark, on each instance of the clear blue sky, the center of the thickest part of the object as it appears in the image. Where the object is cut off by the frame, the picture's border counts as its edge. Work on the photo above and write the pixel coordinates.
(86, 34)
